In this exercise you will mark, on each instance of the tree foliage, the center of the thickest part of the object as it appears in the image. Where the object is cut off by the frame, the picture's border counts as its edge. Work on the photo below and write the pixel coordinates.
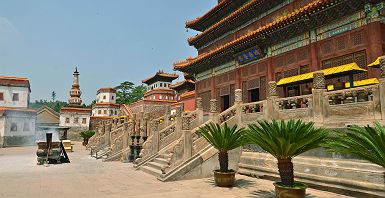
(55, 105)
(127, 92)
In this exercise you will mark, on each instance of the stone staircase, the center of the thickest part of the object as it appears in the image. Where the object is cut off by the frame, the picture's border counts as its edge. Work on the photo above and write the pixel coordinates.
(155, 166)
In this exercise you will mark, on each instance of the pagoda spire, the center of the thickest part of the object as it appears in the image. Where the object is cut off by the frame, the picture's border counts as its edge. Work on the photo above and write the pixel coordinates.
(75, 93)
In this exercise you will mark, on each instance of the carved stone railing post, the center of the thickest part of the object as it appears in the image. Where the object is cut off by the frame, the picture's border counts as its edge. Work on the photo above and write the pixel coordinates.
(182, 106)
(186, 121)
(382, 87)
(168, 114)
(269, 110)
(200, 110)
(155, 138)
(132, 145)
(319, 89)
(178, 121)
(107, 131)
(213, 110)
(238, 102)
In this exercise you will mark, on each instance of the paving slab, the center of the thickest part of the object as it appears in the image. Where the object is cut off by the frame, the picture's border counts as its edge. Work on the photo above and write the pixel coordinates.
(85, 176)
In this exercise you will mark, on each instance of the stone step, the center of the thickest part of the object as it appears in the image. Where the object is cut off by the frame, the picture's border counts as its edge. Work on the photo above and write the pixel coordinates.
(348, 187)
(164, 156)
(161, 161)
(151, 170)
(155, 165)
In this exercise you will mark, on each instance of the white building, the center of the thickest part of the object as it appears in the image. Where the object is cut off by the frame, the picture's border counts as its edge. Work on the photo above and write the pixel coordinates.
(106, 105)
(17, 123)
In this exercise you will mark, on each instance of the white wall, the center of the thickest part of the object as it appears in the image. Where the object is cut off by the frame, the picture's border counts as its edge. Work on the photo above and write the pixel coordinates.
(95, 111)
(2, 126)
(8, 92)
(21, 136)
(110, 97)
(159, 85)
(72, 116)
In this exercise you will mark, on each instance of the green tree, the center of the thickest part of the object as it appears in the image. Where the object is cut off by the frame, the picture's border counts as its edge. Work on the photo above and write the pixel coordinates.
(89, 105)
(53, 95)
(285, 141)
(127, 92)
(223, 139)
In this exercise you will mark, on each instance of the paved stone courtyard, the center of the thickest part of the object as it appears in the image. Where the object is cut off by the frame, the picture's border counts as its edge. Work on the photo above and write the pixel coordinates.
(20, 177)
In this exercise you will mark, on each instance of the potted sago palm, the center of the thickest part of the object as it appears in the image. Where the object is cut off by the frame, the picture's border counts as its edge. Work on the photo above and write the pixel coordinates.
(86, 135)
(367, 143)
(224, 139)
(285, 141)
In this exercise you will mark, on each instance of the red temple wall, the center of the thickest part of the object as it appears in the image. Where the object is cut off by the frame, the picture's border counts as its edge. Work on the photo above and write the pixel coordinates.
(301, 60)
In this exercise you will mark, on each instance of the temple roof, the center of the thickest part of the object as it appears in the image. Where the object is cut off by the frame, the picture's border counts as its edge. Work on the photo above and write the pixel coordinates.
(4, 110)
(14, 81)
(269, 33)
(179, 85)
(188, 94)
(244, 14)
(106, 89)
(160, 76)
(105, 104)
(214, 15)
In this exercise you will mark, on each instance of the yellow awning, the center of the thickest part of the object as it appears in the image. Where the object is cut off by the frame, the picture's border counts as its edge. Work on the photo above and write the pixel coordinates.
(375, 63)
(329, 71)
(370, 81)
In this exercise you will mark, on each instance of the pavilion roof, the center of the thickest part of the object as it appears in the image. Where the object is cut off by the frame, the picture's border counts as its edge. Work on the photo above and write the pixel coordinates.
(214, 15)
(161, 76)
(106, 89)
(261, 35)
(178, 84)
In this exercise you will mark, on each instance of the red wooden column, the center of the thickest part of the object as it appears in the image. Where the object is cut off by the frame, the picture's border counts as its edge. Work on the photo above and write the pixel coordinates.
(269, 70)
(373, 34)
(212, 79)
(314, 57)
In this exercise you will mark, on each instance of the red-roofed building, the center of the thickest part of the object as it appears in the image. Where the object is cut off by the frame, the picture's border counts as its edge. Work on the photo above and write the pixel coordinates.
(185, 92)
(17, 122)
(158, 95)
(245, 44)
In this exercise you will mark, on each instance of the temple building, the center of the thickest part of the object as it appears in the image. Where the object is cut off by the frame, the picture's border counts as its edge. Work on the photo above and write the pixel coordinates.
(17, 122)
(74, 115)
(106, 105)
(245, 44)
(185, 92)
(158, 95)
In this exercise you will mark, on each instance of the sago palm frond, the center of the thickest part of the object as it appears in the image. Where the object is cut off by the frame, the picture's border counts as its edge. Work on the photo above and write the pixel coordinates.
(286, 140)
(364, 142)
(223, 138)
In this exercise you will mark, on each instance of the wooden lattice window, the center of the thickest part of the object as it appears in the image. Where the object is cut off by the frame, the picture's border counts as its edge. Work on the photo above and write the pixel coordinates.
(340, 43)
(209, 83)
(357, 38)
(326, 64)
(302, 55)
(219, 80)
(244, 72)
(232, 77)
(348, 59)
(304, 69)
(253, 70)
(206, 96)
(290, 72)
(225, 91)
(290, 59)
(337, 62)
(244, 92)
(279, 62)
(224, 78)
(253, 84)
(360, 59)
(261, 67)
(262, 88)
(326, 48)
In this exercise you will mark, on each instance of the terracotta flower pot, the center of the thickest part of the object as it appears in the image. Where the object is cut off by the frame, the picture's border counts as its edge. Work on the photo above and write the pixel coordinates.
(224, 179)
(288, 192)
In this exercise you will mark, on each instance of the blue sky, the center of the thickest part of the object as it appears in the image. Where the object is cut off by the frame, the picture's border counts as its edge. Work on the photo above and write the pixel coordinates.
(111, 41)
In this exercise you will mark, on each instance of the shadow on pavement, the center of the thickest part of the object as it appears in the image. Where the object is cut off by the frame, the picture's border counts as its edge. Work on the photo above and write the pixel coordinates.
(270, 194)
(239, 183)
